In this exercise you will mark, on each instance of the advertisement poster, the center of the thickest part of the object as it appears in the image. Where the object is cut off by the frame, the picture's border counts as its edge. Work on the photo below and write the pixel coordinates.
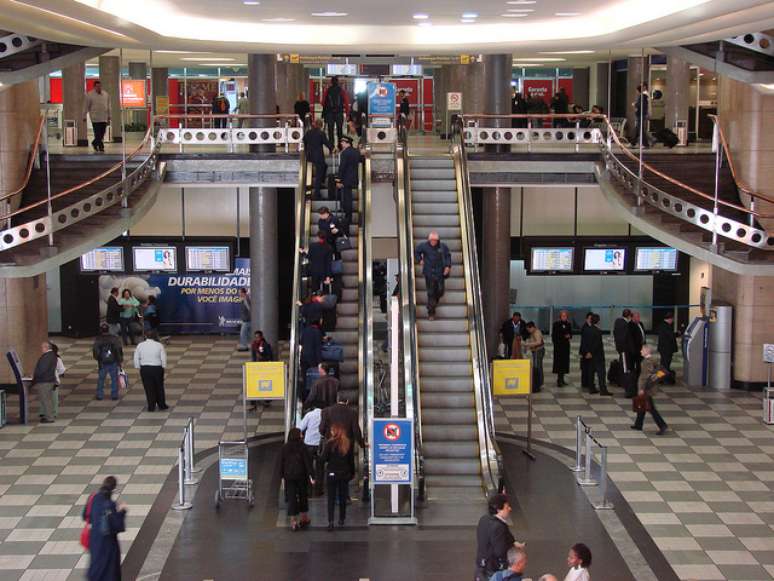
(187, 303)
(393, 441)
(200, 96)
(542, 89)
(133, 93)
(381, 99)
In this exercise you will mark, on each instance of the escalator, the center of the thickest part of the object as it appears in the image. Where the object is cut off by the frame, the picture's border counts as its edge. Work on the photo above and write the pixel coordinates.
(455, 427)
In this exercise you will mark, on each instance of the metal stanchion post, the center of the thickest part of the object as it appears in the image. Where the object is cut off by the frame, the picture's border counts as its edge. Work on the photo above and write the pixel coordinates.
(190, 479)
(604, 505)
(587, 480)
(528, 451)
(578, 446)
(182, 504)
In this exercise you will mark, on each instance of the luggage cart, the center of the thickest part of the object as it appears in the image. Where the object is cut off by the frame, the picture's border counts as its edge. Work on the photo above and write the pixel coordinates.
(234, 480)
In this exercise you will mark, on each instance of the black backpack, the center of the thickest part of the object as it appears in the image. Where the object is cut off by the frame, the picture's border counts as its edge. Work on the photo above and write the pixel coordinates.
(107, 353)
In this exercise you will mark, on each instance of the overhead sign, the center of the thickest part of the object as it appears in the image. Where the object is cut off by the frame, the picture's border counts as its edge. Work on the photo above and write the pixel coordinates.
(381, 98)
(133, 93)
(295, 59)
(393, 450)
(162, 105)
(454, 101)
(264, 380)
(512, 377)
(768, 352)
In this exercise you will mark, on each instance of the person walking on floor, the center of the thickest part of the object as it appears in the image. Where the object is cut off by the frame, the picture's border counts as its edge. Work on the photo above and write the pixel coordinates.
(561, 335)
(349, 177)
(536, 348)
(245, 314)
(109, 355)
(130, 315)
(97, 106)
(337, 461)
(435, 259)
(113, 317)
(597, 350)
(667, 342)
(635, 339)
(44, 381)
(586, 355)
(150, 358)
(302, 108)
(314, 141)
(641, 115)
(105, 519)
(297, 471)
(650, 377)
(494, 538)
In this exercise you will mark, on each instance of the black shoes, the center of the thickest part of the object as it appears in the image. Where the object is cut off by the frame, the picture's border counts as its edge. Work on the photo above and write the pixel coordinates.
(593, 390)
(330, 526)
(662, 431)
(341, 524)
(605, 392)
(635, 428)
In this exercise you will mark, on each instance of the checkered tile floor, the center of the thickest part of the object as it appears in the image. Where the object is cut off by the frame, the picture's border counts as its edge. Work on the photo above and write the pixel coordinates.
(47, 471)
(704, 491)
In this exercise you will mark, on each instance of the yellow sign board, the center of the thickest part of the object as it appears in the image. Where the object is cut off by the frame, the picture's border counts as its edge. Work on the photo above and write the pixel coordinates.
(162, 105)
(464, 59)
(512, 377)
(264, 380)
(295, 59)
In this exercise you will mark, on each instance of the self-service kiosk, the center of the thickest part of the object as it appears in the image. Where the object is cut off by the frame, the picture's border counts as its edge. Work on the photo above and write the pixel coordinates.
(696, 352)
(721, 340)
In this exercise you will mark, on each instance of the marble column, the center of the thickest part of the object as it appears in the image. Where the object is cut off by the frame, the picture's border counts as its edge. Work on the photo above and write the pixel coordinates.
(137, 71)
(580, 87)
(496, 221)
(473, 97)
(159, 86)
(19, 118)
(678, 84)
(73, 97)
(23, 321)
(110, 75)
(637, 70)
(602, 85)
(262, 90)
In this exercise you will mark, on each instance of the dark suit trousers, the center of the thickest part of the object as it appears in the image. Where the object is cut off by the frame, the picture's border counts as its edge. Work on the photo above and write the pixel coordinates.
(435, 290)
(666, 360)
(587, 372)
(320, 171)
(153, 382)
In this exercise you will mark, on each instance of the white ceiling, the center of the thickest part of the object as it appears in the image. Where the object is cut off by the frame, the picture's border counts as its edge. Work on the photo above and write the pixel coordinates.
(383, 25)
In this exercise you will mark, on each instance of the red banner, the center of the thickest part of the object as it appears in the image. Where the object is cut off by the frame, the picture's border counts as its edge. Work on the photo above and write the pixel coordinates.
(543, 89)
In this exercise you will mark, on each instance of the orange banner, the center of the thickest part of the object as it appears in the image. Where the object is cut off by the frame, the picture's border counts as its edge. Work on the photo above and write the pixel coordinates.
(133, 93)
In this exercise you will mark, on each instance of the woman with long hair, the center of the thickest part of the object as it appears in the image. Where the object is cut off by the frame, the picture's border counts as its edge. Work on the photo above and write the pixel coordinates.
(296, 469)
(106, 519)
(337, 462)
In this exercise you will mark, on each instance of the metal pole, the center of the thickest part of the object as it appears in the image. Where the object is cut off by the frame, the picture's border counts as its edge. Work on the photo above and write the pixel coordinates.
(578, 446)
(604, 505)
(190, 479)
(642, 128)
(182, 504)
(184, 124)
(718, 159)
(528, 451)
(50, 209)
(192, 447)
(587, 480)
(124, 200)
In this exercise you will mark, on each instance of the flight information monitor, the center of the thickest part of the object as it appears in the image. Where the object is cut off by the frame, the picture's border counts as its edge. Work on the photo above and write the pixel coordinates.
(604, 259)
(155, 258)
(208, 259)
(551, 259)
(656, 258)
(106, 259)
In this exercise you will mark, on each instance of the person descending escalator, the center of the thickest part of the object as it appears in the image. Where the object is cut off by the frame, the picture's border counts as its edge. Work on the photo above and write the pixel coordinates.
(435, 259)
(314, 141)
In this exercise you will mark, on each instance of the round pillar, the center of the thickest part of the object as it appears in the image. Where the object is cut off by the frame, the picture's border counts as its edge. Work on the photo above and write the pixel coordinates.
(73, 99)
(678, 84)
(110, 76)
(263, 262)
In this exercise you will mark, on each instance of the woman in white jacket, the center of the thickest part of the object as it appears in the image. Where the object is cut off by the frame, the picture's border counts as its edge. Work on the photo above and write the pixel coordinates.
(579, 560)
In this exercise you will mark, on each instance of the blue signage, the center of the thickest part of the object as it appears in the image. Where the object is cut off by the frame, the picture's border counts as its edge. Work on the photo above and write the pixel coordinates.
(233, 469)
(381, 99)
(393, 450)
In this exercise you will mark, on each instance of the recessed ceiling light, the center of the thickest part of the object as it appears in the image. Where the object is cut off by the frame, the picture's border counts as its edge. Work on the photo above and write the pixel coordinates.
(468, 20)
(514, 15)
(329, 14)
(425, 23)
(205, 58)
(279, 19)
(526, 65)
(518, 2)
(567, 14)
(251, 3)
(224, 64)
(521, 10)
(470, 14)
(568, 52)
(421, 16)
(539, 60)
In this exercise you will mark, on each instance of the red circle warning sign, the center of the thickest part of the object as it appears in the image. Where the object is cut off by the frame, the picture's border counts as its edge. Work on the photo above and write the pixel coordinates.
(392, 432)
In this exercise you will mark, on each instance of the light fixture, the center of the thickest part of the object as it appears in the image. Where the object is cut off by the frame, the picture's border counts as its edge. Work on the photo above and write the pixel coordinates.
(568, 52)
(421, 16)
(470, 14)
(520, 2)
(567, 14)
(60, 15)
(279, 19)
(425, 23)
(205, 58)
(330, 14)
(467, 20)
(224, 64)
(520, 10)
(251, 3)
(183, 51)
(513, 15)
(540, 60)
(527, 65)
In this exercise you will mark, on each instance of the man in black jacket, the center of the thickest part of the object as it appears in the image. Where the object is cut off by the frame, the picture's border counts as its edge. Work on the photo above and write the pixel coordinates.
(108, 352)
(320, 261)
(311, 347)
(586, 355)
(509, 330)
(329, 225)
(349, 176)
(667, 343)
(561, 335)
(314, 140)
(325, 391)
(597, 350)
(635, 339)
(494, 538)
(435, 259)
(341, 414)
(44, 380)
(113, 318)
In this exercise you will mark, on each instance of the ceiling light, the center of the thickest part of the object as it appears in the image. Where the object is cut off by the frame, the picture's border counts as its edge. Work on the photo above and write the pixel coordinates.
(330, 14)
(470, 14)
(183, 51)
(224, 64)
(279, 19)
(421, 16)
(567, 14)
(539, 60)
(527, 65)
(468, 20)
(520, 10)
(568, 52)
(425, 23)
(205, 58)
(514, 15)
(518, 2)
(250, 3)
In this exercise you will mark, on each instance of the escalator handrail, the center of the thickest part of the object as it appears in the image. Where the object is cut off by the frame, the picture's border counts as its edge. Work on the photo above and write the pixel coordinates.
(491, 458)
(303, 216)
(366, 300)
(408, 303)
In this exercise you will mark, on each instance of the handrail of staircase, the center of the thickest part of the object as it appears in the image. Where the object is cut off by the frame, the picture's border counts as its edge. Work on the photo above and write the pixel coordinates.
(303, 217)
(408, 332)
(489, 451)
(625, 150)
(200, 116)
(366, 316)
(112, 169)
(741, 184)
(30, 163)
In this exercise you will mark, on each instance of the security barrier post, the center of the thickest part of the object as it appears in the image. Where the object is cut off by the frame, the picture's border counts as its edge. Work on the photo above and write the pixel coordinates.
(182, 504)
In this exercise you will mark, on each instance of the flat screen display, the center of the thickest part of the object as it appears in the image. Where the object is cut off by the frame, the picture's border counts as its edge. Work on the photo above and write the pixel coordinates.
(155, 258)
(106, 259)
(208, 258)
(657, 258)
(552, 259)
(605, 259)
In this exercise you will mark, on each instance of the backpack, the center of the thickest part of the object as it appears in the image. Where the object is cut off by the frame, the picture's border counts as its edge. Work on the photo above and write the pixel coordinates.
(107, 353)
(333, 101)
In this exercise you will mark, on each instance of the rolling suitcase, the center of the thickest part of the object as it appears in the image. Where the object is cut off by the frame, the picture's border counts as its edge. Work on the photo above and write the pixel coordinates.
(667, 137)
(614, 373)
(331, 351)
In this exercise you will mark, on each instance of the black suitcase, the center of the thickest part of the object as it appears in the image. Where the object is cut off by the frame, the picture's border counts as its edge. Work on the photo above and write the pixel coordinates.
(667, 137)
(614, 373)
(329, 320)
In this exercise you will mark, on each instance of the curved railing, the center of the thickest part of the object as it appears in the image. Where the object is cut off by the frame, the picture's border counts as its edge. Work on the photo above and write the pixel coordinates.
(30, 164)
(366, 310)
(303, 219)
(279, 129)
(710, 220)
(85, 208)
(408, 332)
(490, 455)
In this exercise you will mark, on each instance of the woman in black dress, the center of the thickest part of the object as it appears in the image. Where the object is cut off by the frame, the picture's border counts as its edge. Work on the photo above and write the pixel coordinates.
(338, 463)
(561, 335)
(296, 469)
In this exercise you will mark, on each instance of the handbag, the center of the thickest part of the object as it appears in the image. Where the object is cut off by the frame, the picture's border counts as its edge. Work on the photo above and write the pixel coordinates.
(641, 403)
(123, 380)
(337, 267)
(343, 243)
(86, 532)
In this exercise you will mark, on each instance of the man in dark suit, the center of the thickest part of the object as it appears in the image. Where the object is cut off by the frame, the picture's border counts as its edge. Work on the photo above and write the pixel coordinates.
(494, 538)
(341, 414)
(667, 342)
(325, 390)
(320, 261)
(561, 335)
(635, 339)
(620, 334)
(597, 350)
(586, 354)
(349, 176)
(510, 329)
(314, 140)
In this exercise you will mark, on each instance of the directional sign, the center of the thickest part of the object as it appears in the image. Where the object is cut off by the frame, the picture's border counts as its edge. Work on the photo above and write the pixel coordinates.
(393, 441)
(454, 101)
(381, 99)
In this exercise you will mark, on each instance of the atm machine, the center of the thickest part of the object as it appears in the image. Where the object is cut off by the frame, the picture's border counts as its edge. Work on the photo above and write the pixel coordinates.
(721, 340)
(696, 352)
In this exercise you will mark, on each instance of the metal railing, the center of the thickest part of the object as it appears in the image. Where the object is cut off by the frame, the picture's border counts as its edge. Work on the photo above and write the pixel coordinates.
(366, 306)
(408, 332)
(186, 466)
(707, 218)
(582, 466)
(490, 455)
(8, 198)
(303, 218)
(15, 43)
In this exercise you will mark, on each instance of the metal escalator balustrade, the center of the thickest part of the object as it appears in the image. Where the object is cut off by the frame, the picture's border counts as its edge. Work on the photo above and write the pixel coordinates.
(366, 306)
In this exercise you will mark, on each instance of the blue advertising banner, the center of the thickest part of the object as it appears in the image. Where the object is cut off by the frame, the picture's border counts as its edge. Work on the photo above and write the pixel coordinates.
(381, 99)
(393, 450)
(187, 303)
